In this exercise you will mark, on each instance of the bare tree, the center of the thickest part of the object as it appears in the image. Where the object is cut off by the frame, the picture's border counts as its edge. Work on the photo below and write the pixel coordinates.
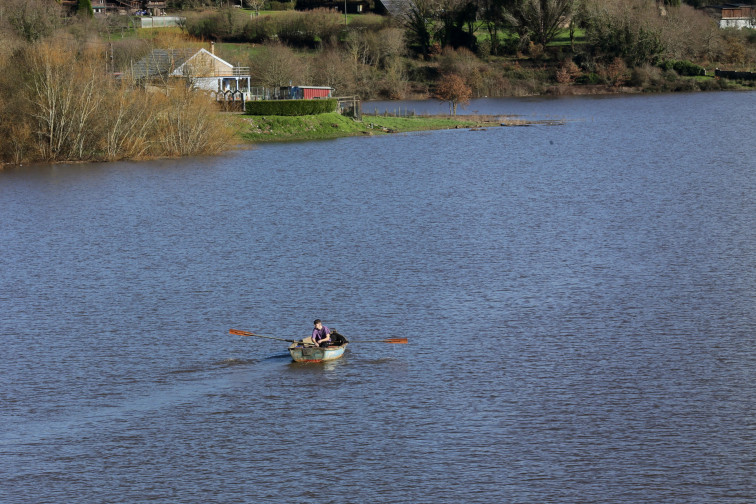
(128, 123)
(255, 4)
(64, 97)
(276, 66)
(32, 19)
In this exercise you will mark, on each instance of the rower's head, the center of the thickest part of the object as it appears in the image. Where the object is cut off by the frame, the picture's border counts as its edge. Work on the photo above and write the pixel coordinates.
(318, 324)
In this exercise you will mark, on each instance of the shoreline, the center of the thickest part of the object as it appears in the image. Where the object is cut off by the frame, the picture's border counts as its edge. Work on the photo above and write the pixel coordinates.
(268, 129)
(251, 130)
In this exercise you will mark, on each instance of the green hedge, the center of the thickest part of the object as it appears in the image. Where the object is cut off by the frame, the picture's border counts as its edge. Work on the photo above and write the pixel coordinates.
(686, 68)
(282, 6)
(290, 107)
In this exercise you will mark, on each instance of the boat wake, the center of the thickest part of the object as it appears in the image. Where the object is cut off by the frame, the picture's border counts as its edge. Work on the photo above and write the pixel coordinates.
(234, 362)
(286, 355)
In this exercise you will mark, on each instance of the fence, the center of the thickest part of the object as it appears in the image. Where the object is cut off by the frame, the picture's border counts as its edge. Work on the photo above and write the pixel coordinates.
(350, 106)
(229, 100)
(264, 93)
(729, 74)
(396, 112)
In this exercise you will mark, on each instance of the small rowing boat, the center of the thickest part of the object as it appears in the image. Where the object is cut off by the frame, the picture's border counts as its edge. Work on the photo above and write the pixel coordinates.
(307, 351)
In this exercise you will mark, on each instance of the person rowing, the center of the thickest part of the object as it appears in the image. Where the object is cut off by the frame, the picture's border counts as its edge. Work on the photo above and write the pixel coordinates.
(321, 335)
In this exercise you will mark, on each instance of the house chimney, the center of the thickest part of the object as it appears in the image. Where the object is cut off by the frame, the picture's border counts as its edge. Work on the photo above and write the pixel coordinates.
(212, 48)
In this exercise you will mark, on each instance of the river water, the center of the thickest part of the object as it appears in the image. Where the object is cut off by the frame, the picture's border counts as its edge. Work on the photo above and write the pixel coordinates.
(580, 302)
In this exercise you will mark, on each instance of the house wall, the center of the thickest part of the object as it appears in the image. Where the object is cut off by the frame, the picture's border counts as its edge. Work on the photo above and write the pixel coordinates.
(220, 84)
(742, 11)
(160, 21)
(738, 23)
(204, 64)
(309, 93)
(737, 17)
(206, 83)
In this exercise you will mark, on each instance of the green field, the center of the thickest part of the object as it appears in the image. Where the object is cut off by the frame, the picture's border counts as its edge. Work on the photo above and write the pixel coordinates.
(254, 129)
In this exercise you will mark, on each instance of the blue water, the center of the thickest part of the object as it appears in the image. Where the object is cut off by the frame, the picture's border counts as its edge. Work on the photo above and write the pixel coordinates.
(580, 302)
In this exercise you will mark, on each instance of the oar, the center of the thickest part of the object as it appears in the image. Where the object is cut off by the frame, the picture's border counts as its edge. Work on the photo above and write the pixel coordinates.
(401, 341)
(237, 332)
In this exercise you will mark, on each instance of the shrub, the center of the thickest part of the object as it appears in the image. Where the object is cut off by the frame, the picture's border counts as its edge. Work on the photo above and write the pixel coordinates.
(290, 107)
(282, 6)
(589, 78)
(684, 68)
(567, 72)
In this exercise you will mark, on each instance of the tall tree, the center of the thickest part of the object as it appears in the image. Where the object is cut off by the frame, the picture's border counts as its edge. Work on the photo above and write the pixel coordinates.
(85, 8)
(495, 19)
(614, 30)
(458, 20)
(540, 19)
(418, 17)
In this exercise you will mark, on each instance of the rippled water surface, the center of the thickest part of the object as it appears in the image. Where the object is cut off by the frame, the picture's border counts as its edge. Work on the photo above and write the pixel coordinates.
(580, 302)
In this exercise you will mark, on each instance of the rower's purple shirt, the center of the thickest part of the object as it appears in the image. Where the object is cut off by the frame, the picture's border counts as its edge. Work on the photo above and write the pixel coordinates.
(319, 334)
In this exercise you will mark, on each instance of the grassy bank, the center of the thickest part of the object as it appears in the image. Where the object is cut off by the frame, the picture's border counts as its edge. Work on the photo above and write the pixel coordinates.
(255, 129)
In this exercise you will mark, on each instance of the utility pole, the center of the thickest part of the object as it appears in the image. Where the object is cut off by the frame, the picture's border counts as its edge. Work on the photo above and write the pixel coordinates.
(345, 16)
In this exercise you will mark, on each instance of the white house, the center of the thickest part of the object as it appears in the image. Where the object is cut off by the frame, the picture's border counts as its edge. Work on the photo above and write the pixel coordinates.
(202, 68)
(211, 73)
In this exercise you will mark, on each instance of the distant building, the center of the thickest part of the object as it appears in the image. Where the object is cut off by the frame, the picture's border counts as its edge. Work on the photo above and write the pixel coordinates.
(310, 92)
(392, 7)
(133, 7)
(201, 68)
(734, 15)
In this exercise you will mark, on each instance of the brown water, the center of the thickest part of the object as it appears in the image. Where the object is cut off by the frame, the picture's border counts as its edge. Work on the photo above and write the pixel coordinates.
(580, 302)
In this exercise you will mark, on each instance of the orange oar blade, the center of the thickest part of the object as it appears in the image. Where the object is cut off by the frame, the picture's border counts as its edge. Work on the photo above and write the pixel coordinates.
(237, 332)
(402, 341)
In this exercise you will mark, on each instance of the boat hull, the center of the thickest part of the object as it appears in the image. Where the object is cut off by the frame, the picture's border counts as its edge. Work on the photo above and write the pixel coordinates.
(301, 353)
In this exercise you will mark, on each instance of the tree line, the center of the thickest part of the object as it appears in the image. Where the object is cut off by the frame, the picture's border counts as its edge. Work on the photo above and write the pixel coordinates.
(498, 47)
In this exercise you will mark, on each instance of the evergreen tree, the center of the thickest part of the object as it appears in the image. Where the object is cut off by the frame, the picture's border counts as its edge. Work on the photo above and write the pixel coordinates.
(85, 8)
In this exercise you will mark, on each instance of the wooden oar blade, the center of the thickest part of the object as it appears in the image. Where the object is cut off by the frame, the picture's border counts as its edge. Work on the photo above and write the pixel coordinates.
(238, 332)
(401, 341)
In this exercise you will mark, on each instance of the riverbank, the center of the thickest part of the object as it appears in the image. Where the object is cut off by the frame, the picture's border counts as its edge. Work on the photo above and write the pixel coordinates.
(261, 129)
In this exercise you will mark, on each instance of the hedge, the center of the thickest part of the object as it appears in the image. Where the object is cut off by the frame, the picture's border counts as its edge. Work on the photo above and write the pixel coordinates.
(686, 68)
(290, 107)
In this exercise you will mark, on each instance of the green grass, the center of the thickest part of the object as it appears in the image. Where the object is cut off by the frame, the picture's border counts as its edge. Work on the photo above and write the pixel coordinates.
(236, 52)
(254, 129)
(563, 38)
(419, 123)
(366, 18)
(281, 128)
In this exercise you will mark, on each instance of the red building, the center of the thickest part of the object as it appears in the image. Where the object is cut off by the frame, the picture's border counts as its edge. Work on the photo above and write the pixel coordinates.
(310, 92)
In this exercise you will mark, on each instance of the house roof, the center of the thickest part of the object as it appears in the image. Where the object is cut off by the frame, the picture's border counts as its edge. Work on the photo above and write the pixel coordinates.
(186, 66)
(394, 7)
(160, 62)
